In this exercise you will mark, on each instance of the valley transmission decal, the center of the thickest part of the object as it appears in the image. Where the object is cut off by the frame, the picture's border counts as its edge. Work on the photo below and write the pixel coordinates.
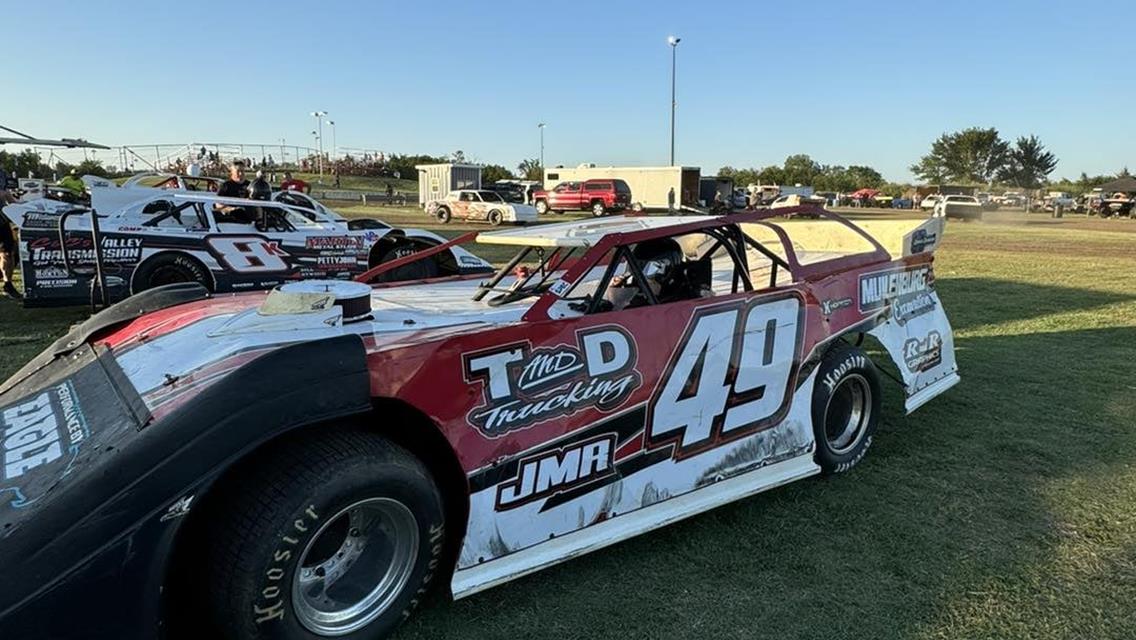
(42, 436)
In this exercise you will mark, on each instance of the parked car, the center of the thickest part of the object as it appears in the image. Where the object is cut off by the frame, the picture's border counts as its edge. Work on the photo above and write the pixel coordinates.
(223, 244)
(599, 196)
(315, 461)
(959, 206)
(795, 200)
(739, 199)
(929, 202)
(479, 205)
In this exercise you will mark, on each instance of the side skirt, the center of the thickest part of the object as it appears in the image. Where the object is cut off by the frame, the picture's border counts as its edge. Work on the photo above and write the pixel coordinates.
(495, 572)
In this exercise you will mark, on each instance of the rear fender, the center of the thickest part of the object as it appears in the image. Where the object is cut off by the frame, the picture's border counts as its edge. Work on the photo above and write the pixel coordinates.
(916, 334)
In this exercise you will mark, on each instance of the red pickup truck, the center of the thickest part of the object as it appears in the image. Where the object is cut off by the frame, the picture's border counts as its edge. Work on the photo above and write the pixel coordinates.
(599, 196)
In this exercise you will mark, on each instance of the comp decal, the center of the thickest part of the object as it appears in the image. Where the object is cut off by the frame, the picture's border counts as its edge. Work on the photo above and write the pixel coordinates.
(524, 386)
(41, 434)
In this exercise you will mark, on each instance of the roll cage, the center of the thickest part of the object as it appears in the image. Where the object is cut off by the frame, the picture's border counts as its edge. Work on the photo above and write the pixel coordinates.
(559, 269)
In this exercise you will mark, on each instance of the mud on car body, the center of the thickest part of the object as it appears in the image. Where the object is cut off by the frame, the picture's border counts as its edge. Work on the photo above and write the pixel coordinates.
(312, 461)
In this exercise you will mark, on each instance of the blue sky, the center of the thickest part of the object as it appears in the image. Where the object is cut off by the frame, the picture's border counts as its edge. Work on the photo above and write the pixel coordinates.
(847, 83)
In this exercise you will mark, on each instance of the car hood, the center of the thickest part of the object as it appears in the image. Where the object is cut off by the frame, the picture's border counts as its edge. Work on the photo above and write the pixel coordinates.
(167, 353)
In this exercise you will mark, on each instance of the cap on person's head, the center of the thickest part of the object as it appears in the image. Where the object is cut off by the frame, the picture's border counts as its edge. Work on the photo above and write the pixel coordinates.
(72, 172)
(238, 164)
(259, 173)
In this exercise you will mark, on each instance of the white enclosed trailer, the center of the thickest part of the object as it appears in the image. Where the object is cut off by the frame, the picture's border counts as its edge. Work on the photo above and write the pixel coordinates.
(650, 186)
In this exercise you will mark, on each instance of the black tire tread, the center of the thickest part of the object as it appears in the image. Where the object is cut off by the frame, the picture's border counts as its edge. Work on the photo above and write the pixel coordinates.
(261, 488)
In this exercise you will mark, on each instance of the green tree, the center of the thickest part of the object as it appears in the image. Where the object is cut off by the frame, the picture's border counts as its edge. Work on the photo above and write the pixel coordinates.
(530, 169)
(92, 168)
(1028, 164)
(800, 169)
(971, 156)
(494, 172)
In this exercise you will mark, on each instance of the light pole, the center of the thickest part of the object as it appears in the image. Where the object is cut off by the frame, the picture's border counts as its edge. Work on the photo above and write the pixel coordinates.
(319, 116)
(319, 145)
(673, 41)
(334, 146)
(541, 126)
(283, 158)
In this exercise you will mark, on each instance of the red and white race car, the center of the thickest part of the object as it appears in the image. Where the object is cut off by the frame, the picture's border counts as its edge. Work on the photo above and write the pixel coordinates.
(310, 461)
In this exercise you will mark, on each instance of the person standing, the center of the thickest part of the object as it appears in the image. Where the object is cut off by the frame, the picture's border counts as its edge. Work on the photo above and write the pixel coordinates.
(8, 247)
(260, 189)
(293, 184)
(671, 201)
(236, 186)
(390, 194)
(72, 183)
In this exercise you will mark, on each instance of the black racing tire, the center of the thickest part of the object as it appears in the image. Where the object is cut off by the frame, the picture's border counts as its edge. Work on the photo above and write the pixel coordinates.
(287, 521)
(846, 408)
(598, 208)
(169, 268)
(443, 215)
(496, 217)
(542, 207)
(418, 270)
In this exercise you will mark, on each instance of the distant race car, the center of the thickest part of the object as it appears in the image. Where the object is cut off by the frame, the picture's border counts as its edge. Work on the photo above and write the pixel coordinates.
(225, 244)
(480, 205)
(959, 206)
(313, 461)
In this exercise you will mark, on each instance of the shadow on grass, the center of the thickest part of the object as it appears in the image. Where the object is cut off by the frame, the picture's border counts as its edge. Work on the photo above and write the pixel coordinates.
(972, 302)
(949, 529)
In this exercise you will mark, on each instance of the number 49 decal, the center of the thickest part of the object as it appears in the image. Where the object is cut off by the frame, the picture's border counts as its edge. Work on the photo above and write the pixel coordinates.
(731, 375)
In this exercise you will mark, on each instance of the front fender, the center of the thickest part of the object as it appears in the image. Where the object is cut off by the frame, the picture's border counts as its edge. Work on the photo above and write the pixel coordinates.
(101, 534)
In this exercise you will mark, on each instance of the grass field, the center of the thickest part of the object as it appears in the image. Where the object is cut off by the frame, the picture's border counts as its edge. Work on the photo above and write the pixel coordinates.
(1004, 509)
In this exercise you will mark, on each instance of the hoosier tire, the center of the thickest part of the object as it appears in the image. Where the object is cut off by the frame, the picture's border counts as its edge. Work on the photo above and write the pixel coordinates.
(169, 268)
(846, 408)
(336, 534)
(417, 270)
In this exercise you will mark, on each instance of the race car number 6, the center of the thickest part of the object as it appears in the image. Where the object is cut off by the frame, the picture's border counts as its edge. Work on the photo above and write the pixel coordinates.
(729, 375)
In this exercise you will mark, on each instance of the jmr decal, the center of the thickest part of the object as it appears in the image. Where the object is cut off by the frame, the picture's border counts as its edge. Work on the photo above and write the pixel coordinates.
(524, 387)
(42, 434)
(894, 286)
(552, 472)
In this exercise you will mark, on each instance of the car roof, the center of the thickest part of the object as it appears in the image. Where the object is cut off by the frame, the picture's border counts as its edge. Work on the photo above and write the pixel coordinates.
(583, 233)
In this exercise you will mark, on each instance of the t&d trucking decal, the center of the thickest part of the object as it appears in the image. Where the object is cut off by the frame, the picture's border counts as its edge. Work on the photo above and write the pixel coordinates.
(524, 387)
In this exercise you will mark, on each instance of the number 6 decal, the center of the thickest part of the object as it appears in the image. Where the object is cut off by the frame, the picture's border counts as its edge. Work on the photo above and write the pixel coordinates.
(730, 375)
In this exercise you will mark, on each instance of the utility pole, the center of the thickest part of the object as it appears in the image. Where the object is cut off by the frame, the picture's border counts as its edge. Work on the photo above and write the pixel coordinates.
(319, 116)
(541, 126)
(673, 41)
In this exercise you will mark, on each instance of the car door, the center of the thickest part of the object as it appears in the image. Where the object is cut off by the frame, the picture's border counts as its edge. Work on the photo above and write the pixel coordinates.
(606, 415)
(478, 208)
(565, 196)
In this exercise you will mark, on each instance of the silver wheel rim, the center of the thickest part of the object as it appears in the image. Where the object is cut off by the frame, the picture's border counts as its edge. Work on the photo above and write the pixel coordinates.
(847, 413)
(597, 210)
(355, 566)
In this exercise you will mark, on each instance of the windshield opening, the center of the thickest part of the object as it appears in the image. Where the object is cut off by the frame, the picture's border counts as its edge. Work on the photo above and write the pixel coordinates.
(516, 280)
